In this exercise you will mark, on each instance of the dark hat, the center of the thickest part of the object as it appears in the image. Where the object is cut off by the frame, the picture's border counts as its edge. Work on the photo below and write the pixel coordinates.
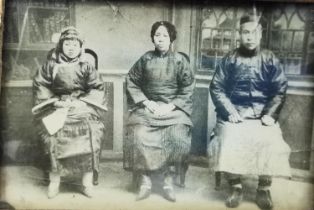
(70, 33)
(249, 18)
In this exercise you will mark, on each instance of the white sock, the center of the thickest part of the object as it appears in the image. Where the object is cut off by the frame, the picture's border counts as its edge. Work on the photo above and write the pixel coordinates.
(87, 179)
(263, 187)
(237, 185)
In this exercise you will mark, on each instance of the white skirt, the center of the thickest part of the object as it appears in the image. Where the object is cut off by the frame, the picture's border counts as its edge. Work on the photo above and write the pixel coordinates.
(249, 148)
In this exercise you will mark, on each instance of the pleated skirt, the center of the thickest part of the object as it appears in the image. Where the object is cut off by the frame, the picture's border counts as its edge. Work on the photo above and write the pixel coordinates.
(154, 147)
(75, 148)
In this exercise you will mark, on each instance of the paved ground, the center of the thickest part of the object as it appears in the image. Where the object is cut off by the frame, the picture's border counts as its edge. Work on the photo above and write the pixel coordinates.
(24, 187)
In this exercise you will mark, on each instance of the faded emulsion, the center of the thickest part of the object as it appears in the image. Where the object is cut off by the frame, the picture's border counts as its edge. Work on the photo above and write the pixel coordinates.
(117, 34)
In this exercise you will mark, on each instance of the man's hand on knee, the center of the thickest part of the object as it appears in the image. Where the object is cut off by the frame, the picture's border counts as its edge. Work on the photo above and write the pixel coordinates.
(235, 118)
(268, 120)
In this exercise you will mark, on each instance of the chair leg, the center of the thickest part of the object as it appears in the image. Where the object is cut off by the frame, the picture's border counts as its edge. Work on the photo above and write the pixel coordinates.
(95, 177)
(184, 169)
(135, 180)
(218, 180)
(181, 168)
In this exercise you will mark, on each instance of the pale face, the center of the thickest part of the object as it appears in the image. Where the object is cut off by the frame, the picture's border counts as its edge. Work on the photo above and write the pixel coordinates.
(250, 35)
(71, 48)
(162, 39)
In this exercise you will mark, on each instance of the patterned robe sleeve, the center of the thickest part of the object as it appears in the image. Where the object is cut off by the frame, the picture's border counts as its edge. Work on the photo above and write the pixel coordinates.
(277, 91)
(134, 82)
(218, 88)
(42, 84)
(186, 85)
(95, 90)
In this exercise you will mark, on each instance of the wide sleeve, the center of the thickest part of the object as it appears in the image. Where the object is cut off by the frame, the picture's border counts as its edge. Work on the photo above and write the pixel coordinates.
(277, 89)
(95, 89)
(134, 82)
(218, 92)
(42, 82)
(186, 84)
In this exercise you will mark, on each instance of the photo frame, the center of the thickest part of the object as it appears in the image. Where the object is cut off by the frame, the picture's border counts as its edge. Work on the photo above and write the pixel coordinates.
(118, 32)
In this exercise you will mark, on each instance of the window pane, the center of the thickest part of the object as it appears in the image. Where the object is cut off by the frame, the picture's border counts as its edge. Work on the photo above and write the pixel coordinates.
(11, 33)
(292, 64)
(43, 23)
(298, 41)
(288, 36)
(218, 35)
(275, 40)
(287, 31)
(310, 56)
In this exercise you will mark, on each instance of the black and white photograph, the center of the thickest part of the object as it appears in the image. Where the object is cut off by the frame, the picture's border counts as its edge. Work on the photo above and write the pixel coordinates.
(155, 105)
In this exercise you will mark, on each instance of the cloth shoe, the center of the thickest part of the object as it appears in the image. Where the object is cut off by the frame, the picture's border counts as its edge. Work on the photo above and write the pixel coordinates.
(87, 184)
(169, 194)
(235, 197)
(54, 184)
(168, 188)
(145, 188)
(143, 193)
(53, 189)
(263, 199)
(88, 191)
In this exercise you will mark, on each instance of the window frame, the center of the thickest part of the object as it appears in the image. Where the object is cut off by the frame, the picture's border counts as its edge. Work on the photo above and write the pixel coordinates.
(210, 71)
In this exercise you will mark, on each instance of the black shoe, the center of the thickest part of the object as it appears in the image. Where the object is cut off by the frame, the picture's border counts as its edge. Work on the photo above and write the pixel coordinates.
(235, 197)
(143, 193)
(263, 199)
(169, 194)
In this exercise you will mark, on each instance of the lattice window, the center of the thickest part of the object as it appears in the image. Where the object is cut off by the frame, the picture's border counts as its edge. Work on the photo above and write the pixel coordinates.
(287, 34)
(287, 31)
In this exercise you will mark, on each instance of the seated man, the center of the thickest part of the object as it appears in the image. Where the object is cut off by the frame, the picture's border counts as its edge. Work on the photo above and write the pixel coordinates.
(248, 90)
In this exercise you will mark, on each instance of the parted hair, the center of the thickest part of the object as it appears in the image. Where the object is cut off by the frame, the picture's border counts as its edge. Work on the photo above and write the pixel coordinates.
(169, 26)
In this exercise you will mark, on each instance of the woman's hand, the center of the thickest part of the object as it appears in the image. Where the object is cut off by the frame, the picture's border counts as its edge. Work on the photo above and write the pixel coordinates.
(78, 104)
(62, 104)
(235, 118)
(68, 103)
(164, 109)
(268, 120)
(151, 106)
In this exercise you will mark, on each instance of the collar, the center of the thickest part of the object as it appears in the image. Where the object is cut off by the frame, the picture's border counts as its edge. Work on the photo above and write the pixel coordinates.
(248, 53)
(64, 59)
(59, 57)
(159, 54)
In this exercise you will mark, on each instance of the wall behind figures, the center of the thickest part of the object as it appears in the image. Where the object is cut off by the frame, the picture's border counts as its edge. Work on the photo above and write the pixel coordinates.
(119, 31)
(296, 121)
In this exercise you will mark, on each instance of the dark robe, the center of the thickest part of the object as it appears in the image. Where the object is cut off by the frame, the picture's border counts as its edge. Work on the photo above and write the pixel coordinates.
(155, 140)
(75, 148)
(253, 84)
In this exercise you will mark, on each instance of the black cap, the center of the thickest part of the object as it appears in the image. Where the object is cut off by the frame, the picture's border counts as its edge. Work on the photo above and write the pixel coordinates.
(249, 18)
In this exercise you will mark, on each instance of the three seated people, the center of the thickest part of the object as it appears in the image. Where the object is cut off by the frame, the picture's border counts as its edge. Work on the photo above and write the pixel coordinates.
(248, 90)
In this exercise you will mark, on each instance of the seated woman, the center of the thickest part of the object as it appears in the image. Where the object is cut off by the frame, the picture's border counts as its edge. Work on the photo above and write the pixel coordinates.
(160, 86)
(69, 102)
